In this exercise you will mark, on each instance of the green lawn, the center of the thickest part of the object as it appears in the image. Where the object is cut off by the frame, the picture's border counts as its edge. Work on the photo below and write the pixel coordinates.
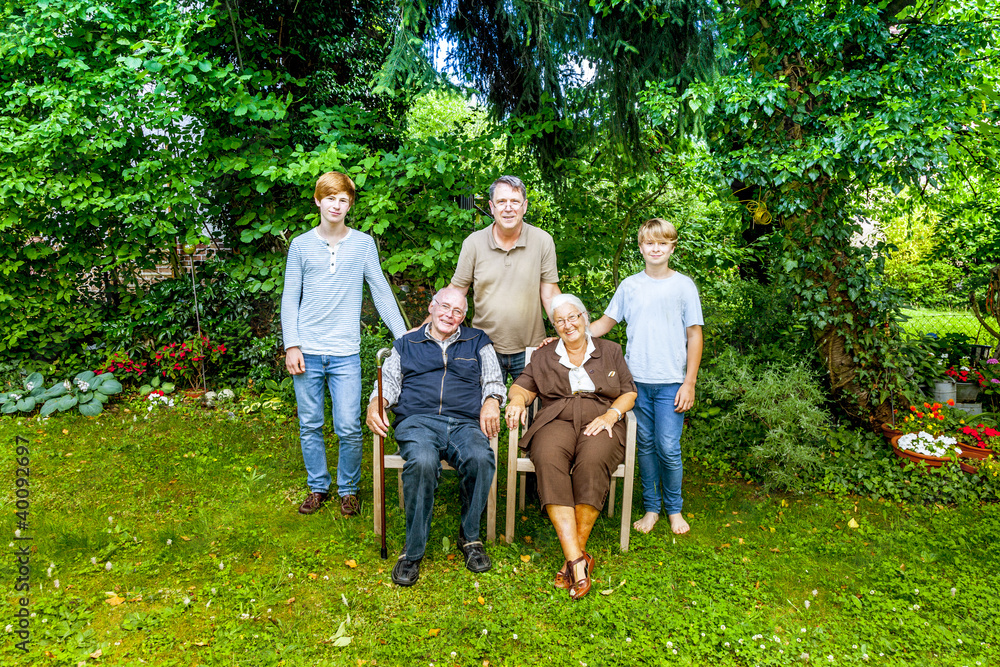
(175, 541)
(925, 320)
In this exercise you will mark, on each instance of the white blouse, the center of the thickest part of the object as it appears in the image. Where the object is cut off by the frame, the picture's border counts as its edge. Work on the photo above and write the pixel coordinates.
(579, 379)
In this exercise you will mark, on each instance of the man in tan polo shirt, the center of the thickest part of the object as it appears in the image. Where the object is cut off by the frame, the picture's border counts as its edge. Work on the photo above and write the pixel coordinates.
(511, 267)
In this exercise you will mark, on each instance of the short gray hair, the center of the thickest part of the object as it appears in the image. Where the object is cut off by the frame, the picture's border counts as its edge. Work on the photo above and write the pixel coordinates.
(513, 182)
(438, 295)
(560, 300)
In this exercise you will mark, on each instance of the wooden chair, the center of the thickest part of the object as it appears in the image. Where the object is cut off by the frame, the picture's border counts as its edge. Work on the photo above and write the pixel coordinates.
(518, 465)
(395, 461)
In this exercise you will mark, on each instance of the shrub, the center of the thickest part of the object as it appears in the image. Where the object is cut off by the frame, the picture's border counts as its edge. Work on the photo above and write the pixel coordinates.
(771, 420)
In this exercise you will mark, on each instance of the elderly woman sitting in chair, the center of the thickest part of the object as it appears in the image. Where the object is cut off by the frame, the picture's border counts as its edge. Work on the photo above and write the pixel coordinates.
(577, 439)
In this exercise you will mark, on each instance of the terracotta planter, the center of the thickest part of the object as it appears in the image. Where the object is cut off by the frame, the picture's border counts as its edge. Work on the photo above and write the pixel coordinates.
(907, 455)
(971, 452)
(890, 431)
(932, 461)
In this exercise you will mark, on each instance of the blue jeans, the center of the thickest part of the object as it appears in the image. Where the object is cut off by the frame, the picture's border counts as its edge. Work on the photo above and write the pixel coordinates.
(423, 441)
(511, 365)
(342, 376)
(658, 446)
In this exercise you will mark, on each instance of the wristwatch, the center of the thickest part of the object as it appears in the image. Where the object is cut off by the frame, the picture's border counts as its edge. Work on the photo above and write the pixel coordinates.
(498, 397)
(618, 411)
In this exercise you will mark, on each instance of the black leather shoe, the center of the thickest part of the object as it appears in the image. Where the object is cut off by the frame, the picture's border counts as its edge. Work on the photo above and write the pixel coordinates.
(476, 558)
(405, 572)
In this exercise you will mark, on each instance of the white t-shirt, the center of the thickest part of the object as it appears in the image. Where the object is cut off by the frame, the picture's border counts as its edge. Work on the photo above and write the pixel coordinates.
(658, 313)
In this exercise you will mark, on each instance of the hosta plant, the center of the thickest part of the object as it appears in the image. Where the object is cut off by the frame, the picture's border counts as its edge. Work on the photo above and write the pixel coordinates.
(87, 392)
(26, 400)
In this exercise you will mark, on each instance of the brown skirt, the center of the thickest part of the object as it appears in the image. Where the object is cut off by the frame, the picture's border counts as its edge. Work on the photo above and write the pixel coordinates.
(573, 468)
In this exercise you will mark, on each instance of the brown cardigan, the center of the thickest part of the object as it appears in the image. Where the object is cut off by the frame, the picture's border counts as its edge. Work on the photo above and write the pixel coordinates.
(549, 379)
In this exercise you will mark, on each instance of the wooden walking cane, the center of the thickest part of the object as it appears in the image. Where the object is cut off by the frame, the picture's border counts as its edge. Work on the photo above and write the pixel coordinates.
(379, 358)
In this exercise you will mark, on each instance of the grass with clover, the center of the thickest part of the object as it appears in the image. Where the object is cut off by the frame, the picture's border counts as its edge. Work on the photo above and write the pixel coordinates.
(173, 539)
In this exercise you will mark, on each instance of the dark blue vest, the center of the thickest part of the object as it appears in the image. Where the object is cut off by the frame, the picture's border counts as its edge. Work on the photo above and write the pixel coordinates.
(440, 383)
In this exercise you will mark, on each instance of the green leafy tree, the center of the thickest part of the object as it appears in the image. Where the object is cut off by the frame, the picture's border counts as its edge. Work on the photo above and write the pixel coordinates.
(820, 100)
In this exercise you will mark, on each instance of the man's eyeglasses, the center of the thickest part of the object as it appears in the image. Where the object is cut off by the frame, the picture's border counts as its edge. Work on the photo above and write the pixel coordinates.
(457, 313)
(572, 319)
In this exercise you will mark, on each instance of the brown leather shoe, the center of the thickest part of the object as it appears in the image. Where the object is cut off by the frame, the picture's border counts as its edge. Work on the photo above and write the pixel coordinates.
(349, 505)
(313, 502)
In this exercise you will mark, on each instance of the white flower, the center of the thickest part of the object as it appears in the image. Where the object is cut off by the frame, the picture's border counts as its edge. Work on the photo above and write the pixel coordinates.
(726, 644)
(244, 616)
(815, 592)
(830, 658)
(107, 566)
(926, 444)
(515, 637)
(9, 628)
(807, 604)
(221, 566)
(169, 541)
(484, 631)
(675, 651)
(916, 607)
(111, 519)
(56, 583)
(917, 591)
(722, 627)
(953, 591)
(670, 644)
(628, 640)
(453, 654)
(186, 601)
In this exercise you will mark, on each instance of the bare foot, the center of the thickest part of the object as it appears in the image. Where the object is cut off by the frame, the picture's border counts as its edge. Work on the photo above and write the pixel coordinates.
(678, 524)
(646, 523)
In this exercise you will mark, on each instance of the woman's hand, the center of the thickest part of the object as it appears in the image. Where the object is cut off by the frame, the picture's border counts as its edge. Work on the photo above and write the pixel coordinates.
(605, 422)
(516, 413)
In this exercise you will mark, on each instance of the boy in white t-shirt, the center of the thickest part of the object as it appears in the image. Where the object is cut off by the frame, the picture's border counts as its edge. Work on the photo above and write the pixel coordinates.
(664, 319)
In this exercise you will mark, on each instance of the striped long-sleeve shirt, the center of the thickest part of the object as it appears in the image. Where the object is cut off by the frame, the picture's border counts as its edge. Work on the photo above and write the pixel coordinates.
(321, 301)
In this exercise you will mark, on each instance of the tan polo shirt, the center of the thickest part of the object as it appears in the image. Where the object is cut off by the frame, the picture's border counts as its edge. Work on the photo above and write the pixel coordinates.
(505, 284)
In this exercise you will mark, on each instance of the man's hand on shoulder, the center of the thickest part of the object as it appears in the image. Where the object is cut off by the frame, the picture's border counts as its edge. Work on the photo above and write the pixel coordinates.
(546, 341)
(376, 419)
(489, 417)
(294, 361)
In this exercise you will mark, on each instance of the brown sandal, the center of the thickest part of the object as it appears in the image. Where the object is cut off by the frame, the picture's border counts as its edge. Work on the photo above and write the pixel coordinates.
(564, 578)
(582, 586)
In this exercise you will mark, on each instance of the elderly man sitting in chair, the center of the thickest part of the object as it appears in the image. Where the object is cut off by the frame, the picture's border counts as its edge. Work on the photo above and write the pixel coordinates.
(443, 382)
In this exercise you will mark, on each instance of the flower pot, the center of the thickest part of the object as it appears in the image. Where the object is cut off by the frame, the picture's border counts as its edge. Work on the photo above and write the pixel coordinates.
(890, 431)
(907, 455)
(973, 452)
(966, 392)
(971, 409)
(944, 391)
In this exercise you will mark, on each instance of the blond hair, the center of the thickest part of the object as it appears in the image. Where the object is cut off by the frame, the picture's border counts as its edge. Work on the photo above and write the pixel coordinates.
(658, 229)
